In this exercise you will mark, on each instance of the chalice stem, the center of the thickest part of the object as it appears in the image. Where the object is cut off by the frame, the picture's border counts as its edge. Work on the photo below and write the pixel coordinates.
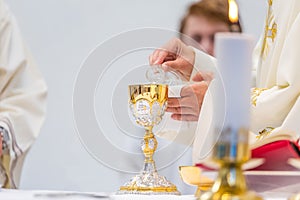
(149, 146)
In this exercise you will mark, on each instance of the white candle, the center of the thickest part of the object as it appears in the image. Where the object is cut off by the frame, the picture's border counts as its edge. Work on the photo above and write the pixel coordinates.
(233, 81)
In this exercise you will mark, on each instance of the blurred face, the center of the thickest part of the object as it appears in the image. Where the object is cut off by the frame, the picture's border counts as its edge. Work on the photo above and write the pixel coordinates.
(203, 30)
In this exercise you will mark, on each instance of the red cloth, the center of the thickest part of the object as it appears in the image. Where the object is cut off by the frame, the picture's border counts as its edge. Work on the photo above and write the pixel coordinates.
(276, 155)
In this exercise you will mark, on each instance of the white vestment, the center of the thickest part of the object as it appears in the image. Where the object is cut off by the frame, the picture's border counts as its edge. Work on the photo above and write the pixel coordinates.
(22, 98)
(275, 99)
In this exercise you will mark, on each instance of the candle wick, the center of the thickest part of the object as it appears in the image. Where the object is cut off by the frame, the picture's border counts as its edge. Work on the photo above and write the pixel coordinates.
(234, 27)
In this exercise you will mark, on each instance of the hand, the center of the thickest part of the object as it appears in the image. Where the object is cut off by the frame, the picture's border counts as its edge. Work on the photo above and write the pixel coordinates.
(176, 56)
(1, 139)
(188, 106)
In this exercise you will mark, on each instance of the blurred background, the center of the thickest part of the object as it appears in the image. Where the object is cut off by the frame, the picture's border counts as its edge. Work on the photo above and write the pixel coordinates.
(60, 35)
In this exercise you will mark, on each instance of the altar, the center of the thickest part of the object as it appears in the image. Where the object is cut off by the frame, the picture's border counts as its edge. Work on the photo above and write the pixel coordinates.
(279, 194)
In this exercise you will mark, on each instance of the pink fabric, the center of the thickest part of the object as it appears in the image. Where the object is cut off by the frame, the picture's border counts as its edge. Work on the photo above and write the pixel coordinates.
(276, 155)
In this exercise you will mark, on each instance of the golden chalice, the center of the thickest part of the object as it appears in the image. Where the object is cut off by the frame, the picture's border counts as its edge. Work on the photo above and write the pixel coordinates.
(147, 104)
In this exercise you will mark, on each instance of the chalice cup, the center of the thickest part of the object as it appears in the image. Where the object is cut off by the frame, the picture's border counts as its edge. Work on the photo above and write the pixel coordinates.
(147, 104)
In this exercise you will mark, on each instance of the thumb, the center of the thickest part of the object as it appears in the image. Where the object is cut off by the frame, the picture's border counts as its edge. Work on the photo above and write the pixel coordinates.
(203, 76)
(198, 77)
(170, 65)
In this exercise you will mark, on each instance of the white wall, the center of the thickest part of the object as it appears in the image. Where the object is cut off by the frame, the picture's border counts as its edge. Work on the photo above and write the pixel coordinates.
(60, 34)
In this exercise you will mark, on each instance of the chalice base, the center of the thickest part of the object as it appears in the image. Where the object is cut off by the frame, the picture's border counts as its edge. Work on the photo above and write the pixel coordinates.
(149, 184)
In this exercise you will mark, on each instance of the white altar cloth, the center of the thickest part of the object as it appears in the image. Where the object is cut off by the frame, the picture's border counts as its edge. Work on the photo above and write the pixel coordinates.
(64, 195)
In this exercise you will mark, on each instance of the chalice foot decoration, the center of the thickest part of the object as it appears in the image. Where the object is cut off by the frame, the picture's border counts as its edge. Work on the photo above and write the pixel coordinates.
(147, 104)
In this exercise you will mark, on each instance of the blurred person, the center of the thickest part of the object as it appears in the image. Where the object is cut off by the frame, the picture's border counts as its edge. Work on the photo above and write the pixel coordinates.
(198, 28)
(202, 21)
(275, 102)
(22, 100)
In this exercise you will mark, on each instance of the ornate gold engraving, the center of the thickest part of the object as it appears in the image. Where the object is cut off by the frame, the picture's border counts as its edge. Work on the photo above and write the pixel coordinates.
(270, 2)
(265, 132)
(255, 94)
(147, 104)
(270, 31)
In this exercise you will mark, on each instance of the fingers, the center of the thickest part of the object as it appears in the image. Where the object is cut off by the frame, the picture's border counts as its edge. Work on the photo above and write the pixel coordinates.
(187, 91)
(173, 46)
(188, 106)
(183, 102)
(165, 53)
(177, 56)
(169, 65)
(1, 140)
(203, 76)
(180, 66)
(184, 117)
(158, 57)
(183, 110)
(191, 96)
(198, 77)
(183, 106)
(197, 90)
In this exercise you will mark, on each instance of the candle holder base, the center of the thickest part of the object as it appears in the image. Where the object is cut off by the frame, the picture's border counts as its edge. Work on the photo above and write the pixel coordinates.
(295, 197)
(230, 185)
(250, 195)
(231, 152)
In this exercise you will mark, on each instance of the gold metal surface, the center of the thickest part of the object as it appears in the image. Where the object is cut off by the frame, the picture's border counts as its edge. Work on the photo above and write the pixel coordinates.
(295, 197)
(269, 32)
(231, 153)
(5, 160)
(255, 94)
(191, 175)
(148, 103)
(272, 32)
(264, 133)
(150, 92)
(170, 189)
(270, 2)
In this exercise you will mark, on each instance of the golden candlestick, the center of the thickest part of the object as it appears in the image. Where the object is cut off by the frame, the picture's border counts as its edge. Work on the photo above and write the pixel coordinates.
(231, 152)
(147, 104)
